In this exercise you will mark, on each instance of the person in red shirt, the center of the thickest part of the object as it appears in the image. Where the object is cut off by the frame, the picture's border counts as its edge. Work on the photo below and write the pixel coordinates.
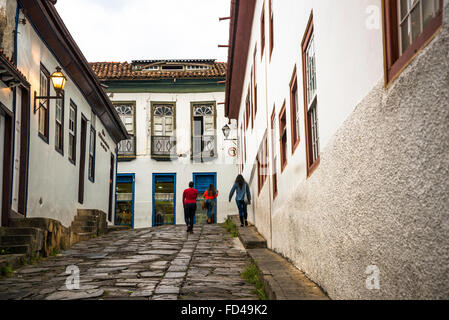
(189, 202)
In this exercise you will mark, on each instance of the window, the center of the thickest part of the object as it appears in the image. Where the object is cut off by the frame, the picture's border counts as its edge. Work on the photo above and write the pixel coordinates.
(409, 24)
(127, 148)
(262, 32)
(204, 142)
(311, 100)
(294, 111)
(254, 82)
(271, 15)
(283, 137)
(197, 67)
(59, 125)
(92, 154)
(72, 132)
(173, 68)
(248, 108)
(274, 154)
(262, 163)
(163, 131)
(44, 105)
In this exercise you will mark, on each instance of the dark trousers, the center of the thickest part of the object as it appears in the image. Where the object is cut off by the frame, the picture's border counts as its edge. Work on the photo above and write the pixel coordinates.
(189, 215)
(243, 210)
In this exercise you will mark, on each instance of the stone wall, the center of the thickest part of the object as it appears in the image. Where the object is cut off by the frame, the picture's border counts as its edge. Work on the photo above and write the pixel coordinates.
(7, 26)
(380, 195)
(56, 237)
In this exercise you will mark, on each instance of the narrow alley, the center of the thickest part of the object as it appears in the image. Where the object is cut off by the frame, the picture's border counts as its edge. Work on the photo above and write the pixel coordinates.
(162, 263)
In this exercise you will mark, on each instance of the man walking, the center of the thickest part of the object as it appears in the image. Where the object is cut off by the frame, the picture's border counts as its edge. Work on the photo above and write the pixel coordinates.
(189, 202)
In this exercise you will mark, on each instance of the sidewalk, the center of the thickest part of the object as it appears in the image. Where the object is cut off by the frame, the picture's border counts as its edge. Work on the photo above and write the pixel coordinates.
(282, 280)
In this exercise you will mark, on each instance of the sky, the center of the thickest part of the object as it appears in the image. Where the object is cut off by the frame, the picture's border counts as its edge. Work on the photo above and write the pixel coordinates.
(125, 30)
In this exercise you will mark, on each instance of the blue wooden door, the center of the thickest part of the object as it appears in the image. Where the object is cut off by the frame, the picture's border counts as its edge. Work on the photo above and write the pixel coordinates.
(202, 182)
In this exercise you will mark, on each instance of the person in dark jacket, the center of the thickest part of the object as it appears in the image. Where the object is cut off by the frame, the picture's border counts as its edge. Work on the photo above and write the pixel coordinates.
(242, 198)
(189, 202)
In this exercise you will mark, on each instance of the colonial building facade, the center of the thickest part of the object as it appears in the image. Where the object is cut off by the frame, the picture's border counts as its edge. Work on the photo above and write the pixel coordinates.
(173, 111)
(58, 149)
(343, 122)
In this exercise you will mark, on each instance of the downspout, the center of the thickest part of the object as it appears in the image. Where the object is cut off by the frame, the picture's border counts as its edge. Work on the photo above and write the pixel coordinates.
(268, 118)
(14, 104)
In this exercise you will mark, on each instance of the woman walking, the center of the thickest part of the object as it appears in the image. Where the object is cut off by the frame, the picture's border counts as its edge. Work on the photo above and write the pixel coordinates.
(209, 197)
(189, 202)
(242, 198)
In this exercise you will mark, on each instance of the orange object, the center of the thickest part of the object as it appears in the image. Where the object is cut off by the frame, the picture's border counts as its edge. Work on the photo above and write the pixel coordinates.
(211, 197)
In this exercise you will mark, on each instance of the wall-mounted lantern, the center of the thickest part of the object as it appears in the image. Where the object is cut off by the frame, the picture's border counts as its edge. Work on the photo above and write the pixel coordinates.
(59, 81)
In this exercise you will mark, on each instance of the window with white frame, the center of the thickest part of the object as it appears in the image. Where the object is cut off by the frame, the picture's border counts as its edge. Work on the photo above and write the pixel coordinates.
(44, 105)
(59, 124)
(92, 154)
(163, 120)
(72, 133)
(310, 92)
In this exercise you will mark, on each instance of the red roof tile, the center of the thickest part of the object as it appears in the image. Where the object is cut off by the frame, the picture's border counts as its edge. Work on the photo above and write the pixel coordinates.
(130, 71)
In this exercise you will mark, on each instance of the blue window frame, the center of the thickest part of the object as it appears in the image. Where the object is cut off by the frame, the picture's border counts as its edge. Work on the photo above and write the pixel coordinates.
(164, 199)
(125, 195)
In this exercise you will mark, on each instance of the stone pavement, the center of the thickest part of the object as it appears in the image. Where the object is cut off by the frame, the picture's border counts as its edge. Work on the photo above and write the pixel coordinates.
(162, 263)
(282, 280)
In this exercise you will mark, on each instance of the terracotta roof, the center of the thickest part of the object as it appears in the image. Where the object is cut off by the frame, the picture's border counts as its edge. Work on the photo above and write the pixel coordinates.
(133, 71)
(7, 62)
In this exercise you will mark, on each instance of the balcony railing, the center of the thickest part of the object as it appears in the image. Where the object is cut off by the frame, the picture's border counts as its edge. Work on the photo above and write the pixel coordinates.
(127, 148)
(204, 148)
(163, 147)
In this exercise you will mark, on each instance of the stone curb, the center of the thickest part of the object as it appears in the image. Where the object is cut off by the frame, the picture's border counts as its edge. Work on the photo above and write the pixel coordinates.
(281, 279)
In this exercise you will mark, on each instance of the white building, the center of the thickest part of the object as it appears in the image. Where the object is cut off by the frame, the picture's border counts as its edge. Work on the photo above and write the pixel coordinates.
(343, 119)
(63, 151)
(174, 112)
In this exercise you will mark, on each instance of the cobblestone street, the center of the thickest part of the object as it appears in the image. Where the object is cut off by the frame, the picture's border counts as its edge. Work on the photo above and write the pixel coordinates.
(162, 263)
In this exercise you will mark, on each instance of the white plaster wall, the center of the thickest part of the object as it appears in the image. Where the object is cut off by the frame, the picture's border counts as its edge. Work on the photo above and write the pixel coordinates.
(144, 166)
(53, 179)
(377, 196)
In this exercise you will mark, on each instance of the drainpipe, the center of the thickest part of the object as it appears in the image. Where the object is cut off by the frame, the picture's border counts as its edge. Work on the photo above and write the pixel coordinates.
(14, 105)
(270, 191)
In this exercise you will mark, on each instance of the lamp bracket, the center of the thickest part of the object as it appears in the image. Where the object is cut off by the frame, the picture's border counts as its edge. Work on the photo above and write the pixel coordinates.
(36, 97)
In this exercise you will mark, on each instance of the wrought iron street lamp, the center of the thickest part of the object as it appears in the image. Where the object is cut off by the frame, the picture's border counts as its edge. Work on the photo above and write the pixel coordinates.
(59, 81)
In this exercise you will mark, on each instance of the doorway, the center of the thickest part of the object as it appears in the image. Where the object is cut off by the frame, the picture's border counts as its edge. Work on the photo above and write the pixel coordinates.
(164, 199)
(6, 123)
(202, 182)
(82, 159)
(124, 215)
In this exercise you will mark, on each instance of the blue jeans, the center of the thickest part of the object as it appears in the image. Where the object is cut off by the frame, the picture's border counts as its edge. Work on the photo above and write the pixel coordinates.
(243, 209)
(210, 206)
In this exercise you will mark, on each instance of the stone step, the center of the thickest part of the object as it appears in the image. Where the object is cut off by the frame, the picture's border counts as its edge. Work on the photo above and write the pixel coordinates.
(82, 236)
(84, 230)
(17, 240)
(86, 218)
(83, 223)
(86, 212)
(21, 231)
(16, 249)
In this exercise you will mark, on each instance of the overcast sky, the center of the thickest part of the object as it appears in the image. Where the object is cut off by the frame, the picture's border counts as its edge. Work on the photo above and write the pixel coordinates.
(125, 30)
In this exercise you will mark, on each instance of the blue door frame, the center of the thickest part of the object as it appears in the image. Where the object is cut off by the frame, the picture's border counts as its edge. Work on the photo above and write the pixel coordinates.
(168, 175)
(126, 178)
(214, 175)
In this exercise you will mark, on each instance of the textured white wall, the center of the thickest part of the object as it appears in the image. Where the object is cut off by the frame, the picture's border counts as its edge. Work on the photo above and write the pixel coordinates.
(53, 179)
(378, 195)
(144, 166)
